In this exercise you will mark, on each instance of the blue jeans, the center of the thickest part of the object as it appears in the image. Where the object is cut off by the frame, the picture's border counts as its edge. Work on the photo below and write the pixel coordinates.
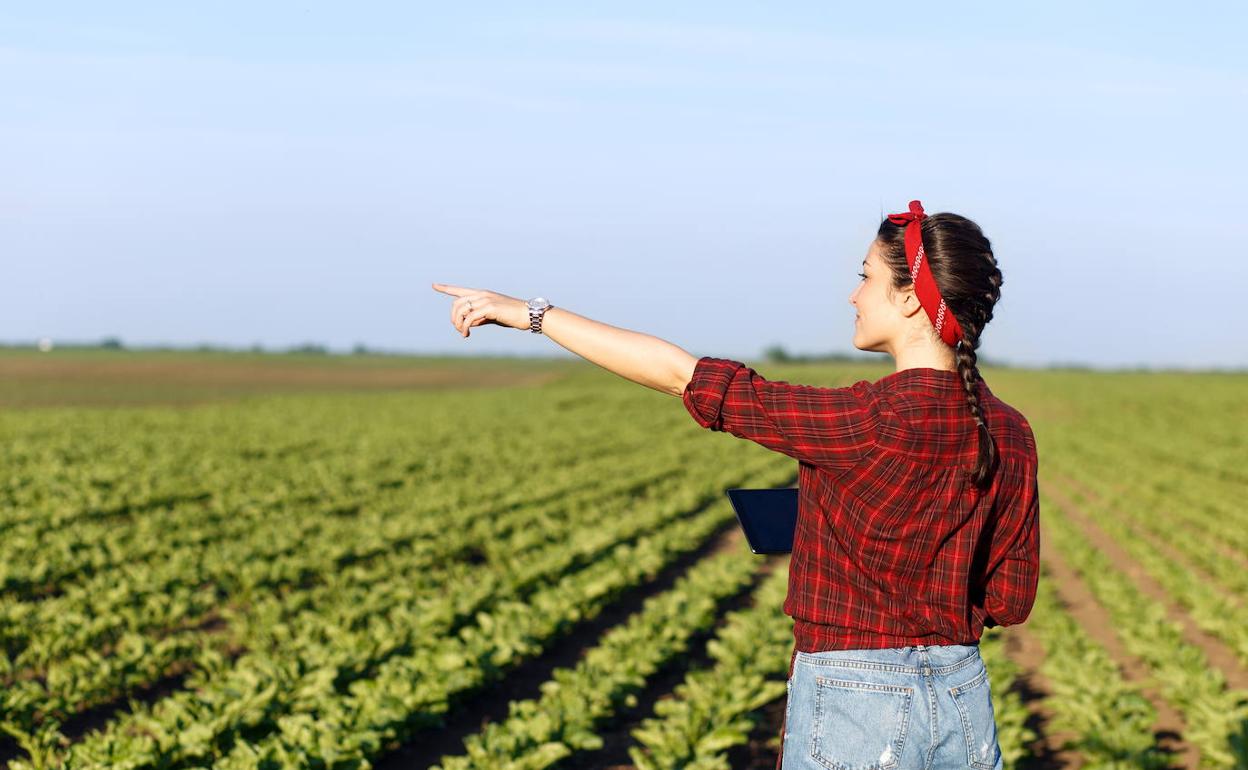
(927, 706)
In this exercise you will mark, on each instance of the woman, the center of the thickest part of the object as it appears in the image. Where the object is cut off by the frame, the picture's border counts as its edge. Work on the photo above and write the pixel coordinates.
(918, 514)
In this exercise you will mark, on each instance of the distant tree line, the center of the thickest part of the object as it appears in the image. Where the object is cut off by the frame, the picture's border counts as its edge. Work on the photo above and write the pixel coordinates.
(780, 355)
(116, 343)
(772, 353)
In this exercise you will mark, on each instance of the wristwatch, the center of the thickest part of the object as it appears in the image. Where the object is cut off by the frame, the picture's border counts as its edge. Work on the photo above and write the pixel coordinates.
(537, 308)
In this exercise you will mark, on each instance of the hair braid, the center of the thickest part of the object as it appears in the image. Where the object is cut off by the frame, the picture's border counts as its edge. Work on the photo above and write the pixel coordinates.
(969, 371)
(964, 352)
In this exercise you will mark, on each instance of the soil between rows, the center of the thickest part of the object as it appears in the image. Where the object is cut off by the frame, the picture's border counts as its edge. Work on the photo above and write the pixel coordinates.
(1219, 655)
(493, 704)
(1095, 620)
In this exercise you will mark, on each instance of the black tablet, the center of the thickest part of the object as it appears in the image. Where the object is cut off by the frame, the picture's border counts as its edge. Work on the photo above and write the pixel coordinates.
(768, 517)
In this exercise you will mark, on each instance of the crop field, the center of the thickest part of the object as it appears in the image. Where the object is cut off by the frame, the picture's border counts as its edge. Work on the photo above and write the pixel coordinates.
(262, 561)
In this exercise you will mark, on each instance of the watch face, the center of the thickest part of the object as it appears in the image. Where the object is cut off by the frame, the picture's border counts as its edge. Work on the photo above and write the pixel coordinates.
(538, 303)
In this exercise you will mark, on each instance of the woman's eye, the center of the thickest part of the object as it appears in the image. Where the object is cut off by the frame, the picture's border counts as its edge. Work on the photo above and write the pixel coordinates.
(862, 276)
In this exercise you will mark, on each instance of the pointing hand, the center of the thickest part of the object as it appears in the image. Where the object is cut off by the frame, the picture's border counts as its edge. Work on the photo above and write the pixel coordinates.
(473, 307)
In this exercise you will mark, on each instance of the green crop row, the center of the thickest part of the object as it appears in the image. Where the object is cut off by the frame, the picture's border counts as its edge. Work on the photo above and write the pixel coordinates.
(401, 696)
(577, 701)
(715, 708)
(148, 599)
(1200, 533)
(34, 564)
(1212, 610)
(96, 675)
(324, 658)
(1010, 714)
(1216, 717)
(1111, 720)
(135, 624)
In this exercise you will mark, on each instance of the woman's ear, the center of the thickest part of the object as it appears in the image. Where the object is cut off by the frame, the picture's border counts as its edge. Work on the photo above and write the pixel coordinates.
(907, 301)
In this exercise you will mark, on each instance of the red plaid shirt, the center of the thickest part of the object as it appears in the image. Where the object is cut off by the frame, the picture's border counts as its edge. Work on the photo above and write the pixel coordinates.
(893, 547)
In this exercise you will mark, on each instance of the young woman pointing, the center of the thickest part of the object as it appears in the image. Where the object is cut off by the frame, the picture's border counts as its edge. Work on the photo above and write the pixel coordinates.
(918, 512)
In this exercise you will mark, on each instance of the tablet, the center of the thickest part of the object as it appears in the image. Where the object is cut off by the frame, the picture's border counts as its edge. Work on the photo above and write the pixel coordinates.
(768, 517)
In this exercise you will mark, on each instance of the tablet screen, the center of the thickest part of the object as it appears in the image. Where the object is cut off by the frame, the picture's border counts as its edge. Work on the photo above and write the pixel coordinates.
(768, 517)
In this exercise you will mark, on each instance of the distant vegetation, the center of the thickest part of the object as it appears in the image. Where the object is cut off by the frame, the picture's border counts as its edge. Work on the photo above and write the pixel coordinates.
(780, 355)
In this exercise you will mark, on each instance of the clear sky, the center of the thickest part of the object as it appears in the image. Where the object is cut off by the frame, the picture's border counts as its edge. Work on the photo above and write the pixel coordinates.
(711, 173)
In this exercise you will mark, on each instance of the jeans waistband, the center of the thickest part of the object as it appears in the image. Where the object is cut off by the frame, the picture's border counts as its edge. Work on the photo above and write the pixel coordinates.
(915, 659)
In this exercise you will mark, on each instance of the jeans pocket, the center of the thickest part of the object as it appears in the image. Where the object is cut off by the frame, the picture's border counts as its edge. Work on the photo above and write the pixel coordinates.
(859, 725)
(974, 702)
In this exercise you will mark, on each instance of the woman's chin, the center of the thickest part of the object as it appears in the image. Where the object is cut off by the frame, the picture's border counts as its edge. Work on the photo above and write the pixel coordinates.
(860, 342)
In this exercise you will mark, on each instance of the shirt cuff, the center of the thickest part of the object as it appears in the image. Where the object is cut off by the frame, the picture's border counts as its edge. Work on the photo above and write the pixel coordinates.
(704, 395)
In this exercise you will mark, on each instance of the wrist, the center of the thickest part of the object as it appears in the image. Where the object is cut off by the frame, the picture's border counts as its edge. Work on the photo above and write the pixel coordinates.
(537, 309)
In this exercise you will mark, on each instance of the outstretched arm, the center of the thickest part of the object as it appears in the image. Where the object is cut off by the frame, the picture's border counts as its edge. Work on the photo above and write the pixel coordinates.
(639, 357)
(642, 358)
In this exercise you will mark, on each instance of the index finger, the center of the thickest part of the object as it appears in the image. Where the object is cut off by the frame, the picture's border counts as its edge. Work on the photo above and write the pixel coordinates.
(454, 291)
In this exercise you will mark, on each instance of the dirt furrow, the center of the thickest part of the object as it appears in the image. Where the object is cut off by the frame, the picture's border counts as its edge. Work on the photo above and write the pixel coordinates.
(471, 713)
(1045, 752)
(1095, 620)
(1226, 550)
(1219, 655)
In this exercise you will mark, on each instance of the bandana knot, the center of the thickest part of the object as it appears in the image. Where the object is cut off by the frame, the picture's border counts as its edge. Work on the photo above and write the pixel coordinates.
(914, 214)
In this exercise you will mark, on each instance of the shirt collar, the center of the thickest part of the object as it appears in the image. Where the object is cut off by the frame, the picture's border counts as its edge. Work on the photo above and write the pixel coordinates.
(923, 378)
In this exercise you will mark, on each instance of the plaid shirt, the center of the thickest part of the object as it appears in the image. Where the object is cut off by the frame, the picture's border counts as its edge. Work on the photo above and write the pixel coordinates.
(894, 547)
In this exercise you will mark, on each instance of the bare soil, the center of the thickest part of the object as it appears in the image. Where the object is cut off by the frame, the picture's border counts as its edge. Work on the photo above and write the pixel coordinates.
(1095, 620)
(1046, 751)
(136, 379)
(473, 713)
(1219, 655)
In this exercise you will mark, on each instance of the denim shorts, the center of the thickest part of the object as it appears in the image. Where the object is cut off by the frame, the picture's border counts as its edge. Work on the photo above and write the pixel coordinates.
(926, 706)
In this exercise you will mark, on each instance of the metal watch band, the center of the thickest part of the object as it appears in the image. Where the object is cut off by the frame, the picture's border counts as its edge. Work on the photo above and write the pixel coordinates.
(535, 319)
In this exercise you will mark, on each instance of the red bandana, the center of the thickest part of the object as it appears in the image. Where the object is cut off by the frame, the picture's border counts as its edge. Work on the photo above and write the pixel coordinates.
(921, 276)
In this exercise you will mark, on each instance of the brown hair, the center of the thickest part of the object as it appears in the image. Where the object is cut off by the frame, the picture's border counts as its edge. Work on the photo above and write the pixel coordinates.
(960, 258)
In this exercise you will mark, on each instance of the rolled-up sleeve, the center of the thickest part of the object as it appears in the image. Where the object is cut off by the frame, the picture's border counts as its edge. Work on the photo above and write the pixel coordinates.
(828, 427)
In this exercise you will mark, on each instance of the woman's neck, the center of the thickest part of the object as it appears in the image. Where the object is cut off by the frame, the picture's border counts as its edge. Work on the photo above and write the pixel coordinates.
(912, 358)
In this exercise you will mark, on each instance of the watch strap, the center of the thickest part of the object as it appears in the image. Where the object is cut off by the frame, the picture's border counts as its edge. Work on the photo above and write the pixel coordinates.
(535, 319)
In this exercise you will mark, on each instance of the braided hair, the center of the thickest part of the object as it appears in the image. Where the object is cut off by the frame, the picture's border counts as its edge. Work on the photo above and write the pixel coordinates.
(960, 258)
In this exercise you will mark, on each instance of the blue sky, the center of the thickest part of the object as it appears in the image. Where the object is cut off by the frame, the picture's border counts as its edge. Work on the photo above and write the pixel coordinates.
(712, 174)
